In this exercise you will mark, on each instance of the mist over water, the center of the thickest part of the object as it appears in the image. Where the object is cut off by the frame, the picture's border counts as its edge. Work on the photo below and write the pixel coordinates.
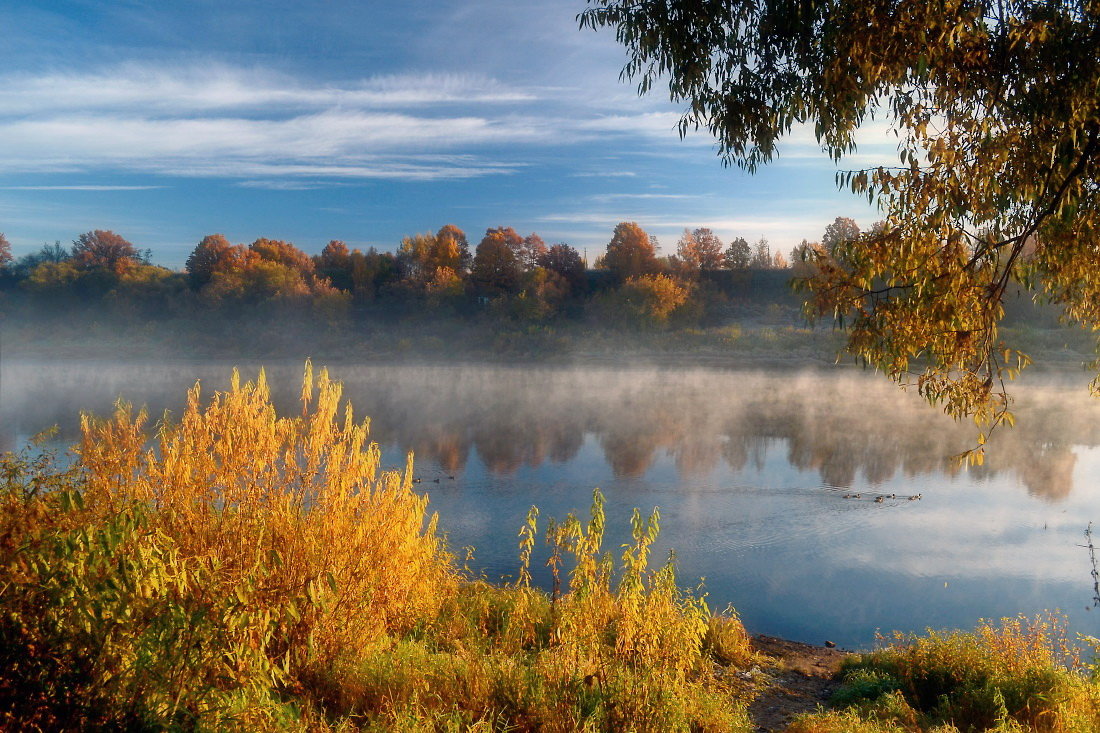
(750, 470)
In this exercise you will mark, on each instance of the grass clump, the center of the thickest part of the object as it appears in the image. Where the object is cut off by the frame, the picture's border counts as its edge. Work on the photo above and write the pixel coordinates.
(238, 570)
(1016, 675)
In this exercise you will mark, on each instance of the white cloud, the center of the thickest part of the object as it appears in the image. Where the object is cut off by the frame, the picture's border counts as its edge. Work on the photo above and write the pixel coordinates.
(253, 123)
(605, 174)
(227, 122)
(603, 197)
(80, 188)
(156, 90)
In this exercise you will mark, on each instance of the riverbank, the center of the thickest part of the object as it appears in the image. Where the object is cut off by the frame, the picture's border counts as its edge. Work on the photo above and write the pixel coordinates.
(795, 679)
(762, 338)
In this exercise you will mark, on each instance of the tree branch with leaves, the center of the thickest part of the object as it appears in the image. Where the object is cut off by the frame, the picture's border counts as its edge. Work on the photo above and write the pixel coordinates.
(998, 120)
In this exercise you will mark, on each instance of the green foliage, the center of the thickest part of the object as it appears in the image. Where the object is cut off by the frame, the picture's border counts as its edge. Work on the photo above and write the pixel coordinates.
(1017, 676)
(105, 624)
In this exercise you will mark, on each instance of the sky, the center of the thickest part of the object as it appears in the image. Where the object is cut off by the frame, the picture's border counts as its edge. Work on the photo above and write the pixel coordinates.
(365, 121)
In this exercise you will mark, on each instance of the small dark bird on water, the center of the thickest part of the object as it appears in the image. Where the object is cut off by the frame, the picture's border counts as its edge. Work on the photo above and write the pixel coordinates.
(880, 499)
(416, 480)
(914, 497)
(452, 478)
(435, 481)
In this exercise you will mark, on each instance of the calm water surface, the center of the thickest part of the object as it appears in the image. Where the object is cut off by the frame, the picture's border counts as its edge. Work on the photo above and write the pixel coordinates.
(749, 469)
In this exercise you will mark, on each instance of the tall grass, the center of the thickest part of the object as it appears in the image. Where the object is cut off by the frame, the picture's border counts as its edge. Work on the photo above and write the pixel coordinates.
(236, 569)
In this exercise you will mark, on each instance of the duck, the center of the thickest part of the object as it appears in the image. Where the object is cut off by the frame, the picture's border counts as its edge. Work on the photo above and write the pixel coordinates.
(880, 499)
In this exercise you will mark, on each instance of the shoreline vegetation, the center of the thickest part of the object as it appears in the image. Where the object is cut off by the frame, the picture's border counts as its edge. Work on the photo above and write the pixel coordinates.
(259, 572)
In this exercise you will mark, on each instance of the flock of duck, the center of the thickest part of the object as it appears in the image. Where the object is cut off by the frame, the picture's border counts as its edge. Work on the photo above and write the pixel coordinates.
(880, 498)
(434, 480)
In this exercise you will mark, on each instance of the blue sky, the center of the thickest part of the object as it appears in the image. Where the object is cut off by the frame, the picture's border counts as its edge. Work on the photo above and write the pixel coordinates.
(363, 121)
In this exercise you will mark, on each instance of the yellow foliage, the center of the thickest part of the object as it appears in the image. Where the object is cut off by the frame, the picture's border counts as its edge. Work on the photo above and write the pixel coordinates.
(653, 297)
(297, 504)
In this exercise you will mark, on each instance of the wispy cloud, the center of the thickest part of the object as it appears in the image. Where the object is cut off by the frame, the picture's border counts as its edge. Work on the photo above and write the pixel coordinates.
(272, 185)
(604, 197)
(162, 90)
(782, 229)
(80, 188)
(605, 174)
(247, 124)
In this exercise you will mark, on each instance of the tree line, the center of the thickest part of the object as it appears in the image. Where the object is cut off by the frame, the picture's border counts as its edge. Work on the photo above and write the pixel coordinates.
(518, 275)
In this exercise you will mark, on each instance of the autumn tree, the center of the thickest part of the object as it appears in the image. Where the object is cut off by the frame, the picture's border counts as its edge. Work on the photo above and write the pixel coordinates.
(5, 252)
(631, 252)
(283, 253)
(529, 252)
(105, 250)
(212, 253)
(700, 249)
(372, 272)
(995, 108)
(565, 261)
(738, 255)
(803, 256)
(414, 256)
(452, 249)
(334, 264)
(256, 280)
(496, 269)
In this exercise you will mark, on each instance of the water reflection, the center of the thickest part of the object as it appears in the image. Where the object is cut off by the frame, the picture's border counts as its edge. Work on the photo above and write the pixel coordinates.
(852, 429)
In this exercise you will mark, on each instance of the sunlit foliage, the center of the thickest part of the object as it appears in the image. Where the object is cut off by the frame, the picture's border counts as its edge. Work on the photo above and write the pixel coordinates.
(652, 298)
(700, 249)
(105, 250)
(1017, 676)
(631, 252)
(210, 255)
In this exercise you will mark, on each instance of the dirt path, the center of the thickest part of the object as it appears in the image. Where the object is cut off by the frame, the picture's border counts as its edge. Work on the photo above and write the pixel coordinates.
(801, 678)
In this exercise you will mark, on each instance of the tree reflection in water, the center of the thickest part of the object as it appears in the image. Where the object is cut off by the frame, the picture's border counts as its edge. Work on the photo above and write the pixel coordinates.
(849, 427)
